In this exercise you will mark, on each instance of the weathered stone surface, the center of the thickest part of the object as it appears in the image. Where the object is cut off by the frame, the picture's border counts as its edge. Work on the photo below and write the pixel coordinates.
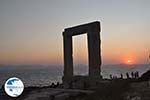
(53, 94)
(94, 51)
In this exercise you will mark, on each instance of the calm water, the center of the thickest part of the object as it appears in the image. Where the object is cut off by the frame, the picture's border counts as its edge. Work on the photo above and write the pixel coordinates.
(42, 75)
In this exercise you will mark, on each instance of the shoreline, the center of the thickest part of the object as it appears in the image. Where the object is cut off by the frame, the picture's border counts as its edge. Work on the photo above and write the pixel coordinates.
(113, 89)
(47, 92)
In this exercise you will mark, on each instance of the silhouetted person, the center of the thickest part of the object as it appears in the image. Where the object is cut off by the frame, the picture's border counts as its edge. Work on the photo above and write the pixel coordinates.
(136, 74)
(53, 85)
(57, 84)
(114, 77)
(110, 76)
(127, 74)
(121, 76)
(132, 74)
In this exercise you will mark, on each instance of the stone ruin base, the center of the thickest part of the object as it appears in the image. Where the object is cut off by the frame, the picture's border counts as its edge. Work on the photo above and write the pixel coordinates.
(81, 82)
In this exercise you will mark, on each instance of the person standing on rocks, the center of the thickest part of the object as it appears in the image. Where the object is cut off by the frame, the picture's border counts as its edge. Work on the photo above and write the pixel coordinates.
(127, 74)
(132, 75)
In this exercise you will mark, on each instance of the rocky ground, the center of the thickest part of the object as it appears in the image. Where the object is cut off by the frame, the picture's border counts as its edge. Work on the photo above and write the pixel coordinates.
(117, 89)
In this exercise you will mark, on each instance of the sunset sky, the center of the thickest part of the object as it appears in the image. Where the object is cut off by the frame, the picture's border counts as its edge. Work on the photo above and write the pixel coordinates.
(31, 30)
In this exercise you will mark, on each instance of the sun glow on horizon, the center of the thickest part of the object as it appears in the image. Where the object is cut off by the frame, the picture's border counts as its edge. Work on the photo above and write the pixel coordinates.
(129, 61)
(129, 58)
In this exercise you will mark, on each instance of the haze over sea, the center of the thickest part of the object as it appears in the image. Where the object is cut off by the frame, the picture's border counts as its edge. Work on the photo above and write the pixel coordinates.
(43, 75)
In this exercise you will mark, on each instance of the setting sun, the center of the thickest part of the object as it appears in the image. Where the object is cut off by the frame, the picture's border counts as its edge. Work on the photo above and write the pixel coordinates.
(129, 61)
(129, 58)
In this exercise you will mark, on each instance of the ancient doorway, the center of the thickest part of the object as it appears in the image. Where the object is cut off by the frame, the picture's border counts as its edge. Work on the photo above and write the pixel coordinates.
(94, 56)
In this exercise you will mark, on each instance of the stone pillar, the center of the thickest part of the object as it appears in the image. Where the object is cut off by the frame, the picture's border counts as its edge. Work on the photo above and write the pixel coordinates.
(94, 53)
(68, 59)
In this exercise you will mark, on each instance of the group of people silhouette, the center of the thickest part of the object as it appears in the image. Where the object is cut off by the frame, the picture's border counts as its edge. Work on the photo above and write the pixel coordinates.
(134, 75)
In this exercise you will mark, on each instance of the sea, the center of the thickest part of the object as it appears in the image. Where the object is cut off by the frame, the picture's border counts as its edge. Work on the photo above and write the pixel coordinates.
(45, 75)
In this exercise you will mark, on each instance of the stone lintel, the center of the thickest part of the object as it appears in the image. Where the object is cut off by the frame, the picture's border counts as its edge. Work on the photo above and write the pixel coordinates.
(81, 29)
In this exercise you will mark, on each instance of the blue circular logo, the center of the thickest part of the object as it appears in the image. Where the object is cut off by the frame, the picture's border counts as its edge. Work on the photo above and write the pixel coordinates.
(14, 87)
